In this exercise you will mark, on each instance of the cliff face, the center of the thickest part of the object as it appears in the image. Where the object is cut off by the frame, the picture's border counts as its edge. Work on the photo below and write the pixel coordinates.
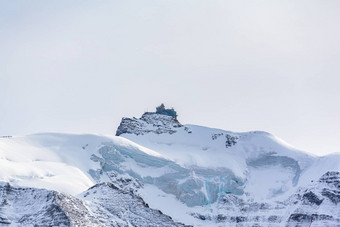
(149, 123)
(159, 122)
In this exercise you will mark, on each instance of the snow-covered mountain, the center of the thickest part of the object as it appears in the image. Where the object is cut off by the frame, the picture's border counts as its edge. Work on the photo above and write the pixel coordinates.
(101, 205)
(197, 175)
(251, 168)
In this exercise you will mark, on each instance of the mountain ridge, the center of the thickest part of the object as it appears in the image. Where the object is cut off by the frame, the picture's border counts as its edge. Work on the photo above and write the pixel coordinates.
(198, 175)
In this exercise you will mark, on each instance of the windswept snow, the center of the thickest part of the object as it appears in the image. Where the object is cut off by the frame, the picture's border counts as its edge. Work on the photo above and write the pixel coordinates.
(55, 161)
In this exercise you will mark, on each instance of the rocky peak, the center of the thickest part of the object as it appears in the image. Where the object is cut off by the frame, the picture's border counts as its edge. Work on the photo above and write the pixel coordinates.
(161, 121)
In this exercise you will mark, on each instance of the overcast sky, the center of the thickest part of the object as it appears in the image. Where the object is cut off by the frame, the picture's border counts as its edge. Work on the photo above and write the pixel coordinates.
(80, 66)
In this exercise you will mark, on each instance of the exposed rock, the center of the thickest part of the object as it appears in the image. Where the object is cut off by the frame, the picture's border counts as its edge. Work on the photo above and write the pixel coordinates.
(159, 122)
(333, 195)
(332, 179)
(312, 198)
(230, 140)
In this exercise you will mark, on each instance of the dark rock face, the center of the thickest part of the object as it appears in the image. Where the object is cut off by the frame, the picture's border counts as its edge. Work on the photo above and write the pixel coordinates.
(312, 198)
(149, 123)
(299, 219)
(230, 140)
(130, 126)
(162, 121)
(333, 195)
(332, 179)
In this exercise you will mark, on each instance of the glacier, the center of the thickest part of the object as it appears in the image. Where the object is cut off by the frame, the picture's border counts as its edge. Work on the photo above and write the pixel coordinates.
(197, 175)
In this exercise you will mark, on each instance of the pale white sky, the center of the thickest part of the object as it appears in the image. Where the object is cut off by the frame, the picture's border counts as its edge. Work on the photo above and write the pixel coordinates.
(80, 66)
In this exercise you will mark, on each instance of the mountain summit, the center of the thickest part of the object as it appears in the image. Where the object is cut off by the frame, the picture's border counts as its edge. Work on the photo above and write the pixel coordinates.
(162, 121)
(249, 177)
(160, 172)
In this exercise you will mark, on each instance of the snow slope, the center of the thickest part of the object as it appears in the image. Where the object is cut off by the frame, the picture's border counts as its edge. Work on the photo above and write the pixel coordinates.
(249, 156)
(263, 167)
(55, 161)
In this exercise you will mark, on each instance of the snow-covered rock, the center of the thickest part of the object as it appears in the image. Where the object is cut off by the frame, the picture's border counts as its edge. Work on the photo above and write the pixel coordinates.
(252, 168)
(115, 207)
(243, 157)
(149, 122)
(102, 205)
(159, 122)
(314, 205)
(318, 204)
(199, 176)
(21, 206)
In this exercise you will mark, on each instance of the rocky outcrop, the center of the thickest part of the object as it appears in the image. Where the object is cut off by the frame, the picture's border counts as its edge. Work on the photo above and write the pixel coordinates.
(316, 205)
(332, 192)
(159, 122)
(148, 123)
